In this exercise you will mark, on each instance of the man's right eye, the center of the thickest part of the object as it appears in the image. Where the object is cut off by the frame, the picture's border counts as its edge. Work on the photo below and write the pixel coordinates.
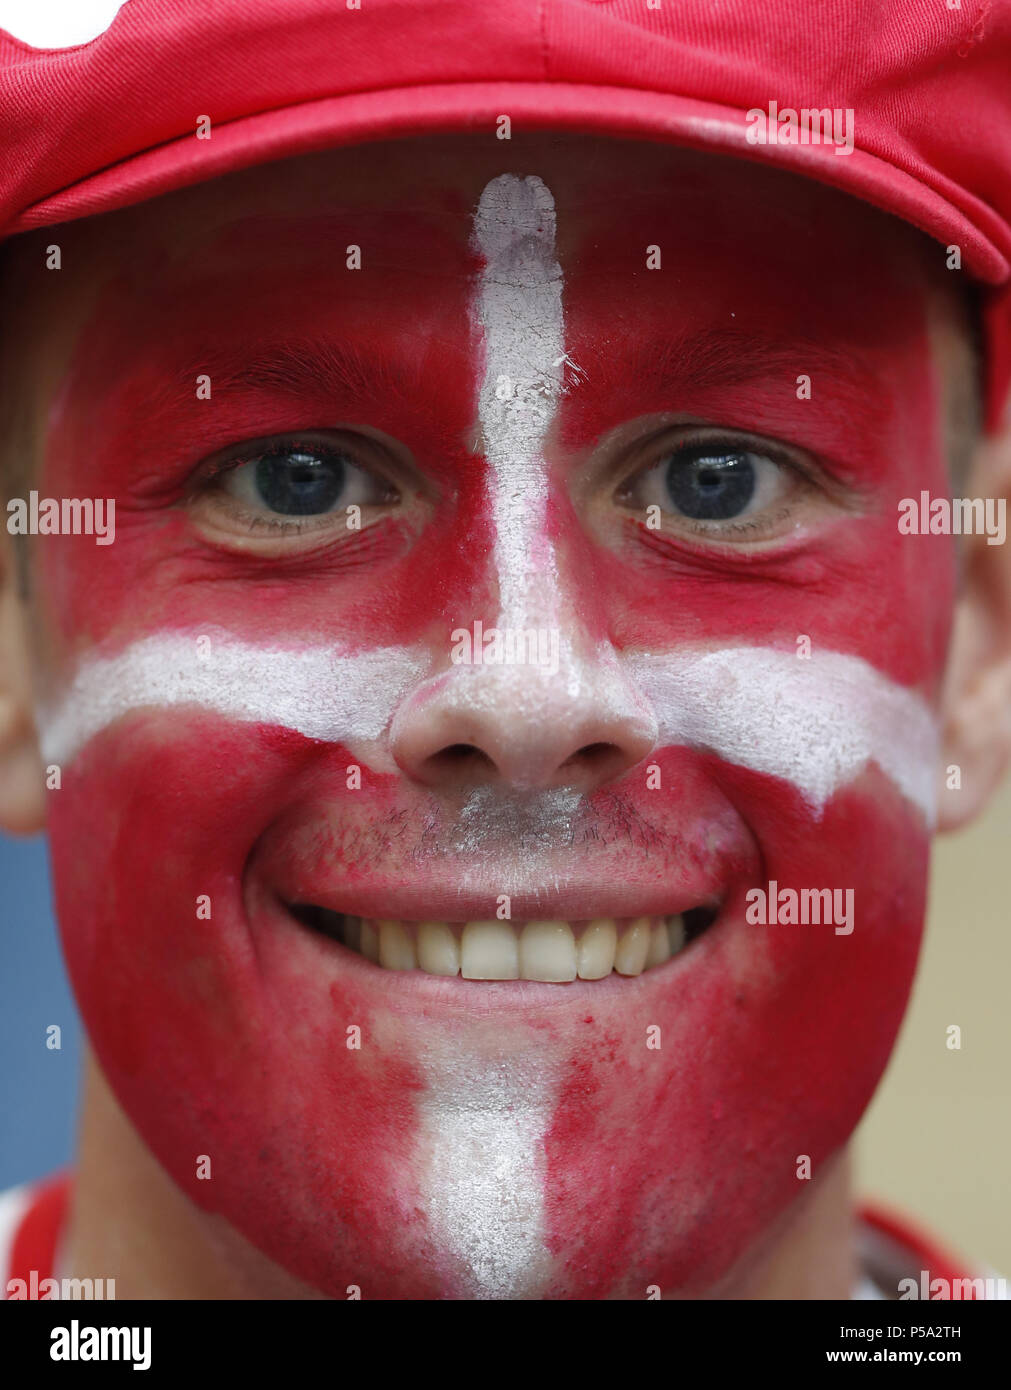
(301, 479)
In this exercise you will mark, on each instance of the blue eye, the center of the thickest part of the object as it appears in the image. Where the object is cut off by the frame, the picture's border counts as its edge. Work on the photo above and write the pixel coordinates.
(301, 479)
(711, 482)
(710, 486)
(297, 482)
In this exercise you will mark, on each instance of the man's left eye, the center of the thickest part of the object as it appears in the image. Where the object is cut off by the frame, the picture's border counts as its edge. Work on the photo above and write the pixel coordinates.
(707, 483)
(303, 480)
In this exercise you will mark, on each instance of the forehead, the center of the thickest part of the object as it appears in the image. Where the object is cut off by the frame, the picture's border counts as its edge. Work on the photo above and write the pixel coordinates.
(760, 274)
(731, 234)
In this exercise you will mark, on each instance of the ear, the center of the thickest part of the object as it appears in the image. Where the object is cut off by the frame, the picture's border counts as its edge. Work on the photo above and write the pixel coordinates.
(22, 781)
(976, 701)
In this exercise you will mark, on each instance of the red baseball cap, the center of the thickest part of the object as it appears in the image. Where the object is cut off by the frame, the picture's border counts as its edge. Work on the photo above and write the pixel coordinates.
(922, 86)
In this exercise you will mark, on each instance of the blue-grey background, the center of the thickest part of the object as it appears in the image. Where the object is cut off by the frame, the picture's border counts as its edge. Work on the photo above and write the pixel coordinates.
(38, 1087)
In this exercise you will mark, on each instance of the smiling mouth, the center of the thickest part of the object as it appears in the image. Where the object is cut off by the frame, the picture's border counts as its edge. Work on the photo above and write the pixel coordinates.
(552, 952)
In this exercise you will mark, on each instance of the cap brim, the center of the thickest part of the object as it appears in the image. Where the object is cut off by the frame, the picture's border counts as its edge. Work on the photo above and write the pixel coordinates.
(939, 208)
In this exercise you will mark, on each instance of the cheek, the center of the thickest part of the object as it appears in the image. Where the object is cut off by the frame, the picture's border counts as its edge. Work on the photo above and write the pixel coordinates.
(310, 1141)
(672, 1150)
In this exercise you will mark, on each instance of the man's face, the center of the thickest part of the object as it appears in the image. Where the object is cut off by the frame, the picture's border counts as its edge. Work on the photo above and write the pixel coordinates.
(651, 414)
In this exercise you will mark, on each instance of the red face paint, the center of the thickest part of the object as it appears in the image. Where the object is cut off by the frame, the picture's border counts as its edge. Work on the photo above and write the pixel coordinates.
(228, 1035)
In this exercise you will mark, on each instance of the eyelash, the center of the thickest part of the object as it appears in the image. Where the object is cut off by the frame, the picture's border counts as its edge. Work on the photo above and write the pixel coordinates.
(747, 531)
(721, 444)
(210, 475)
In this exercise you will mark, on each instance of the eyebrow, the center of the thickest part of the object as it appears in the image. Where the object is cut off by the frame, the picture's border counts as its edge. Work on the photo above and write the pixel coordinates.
(713, 357)
(340, 369)
(709, 358)
(358, 378)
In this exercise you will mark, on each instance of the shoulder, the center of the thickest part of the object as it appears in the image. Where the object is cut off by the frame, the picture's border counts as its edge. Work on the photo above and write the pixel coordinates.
(32, 1218)
(13, 1205)
(900, 1260)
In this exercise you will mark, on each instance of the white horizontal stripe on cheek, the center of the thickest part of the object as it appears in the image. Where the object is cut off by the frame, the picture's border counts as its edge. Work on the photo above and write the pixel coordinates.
(320, 692)
(815, 723)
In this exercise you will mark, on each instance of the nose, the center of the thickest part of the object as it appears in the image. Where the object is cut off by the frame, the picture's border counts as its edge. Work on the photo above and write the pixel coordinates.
(524, 727)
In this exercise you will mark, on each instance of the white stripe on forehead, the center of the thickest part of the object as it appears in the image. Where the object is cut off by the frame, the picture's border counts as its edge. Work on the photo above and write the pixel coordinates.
(815, 724)
(519, 308)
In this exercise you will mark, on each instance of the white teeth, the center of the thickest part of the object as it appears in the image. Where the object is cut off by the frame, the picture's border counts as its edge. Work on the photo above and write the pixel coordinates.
(438, 949)
(659, 946)
(547, 952)
(595, 949)
(489, 951)
(396, 949)
(370, 943)
(633, 946)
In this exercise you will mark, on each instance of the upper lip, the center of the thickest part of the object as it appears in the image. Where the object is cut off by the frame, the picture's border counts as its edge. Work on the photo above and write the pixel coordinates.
(570, 903)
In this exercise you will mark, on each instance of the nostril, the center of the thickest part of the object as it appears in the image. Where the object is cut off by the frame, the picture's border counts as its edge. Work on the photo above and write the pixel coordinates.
(461, 756)
(592, 756)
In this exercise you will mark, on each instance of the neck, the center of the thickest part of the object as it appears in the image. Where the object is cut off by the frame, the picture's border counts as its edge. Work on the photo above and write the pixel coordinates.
(130, 1222)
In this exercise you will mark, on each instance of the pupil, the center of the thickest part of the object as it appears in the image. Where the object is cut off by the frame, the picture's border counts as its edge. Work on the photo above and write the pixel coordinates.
(711, 487)
(295, 483)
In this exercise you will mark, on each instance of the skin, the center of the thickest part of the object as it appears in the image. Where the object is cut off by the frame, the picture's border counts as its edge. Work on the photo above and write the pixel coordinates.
(674, 1168)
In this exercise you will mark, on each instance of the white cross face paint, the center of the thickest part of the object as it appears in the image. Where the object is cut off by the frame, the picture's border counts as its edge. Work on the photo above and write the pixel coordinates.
(519, 308)
(317, 691)
(815, 724)
(483, 1125)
